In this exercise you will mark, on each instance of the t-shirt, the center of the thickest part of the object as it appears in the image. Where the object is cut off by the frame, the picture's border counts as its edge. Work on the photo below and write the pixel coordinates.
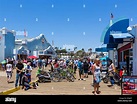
(80, 65)
(56, 65)
(85, 66)
(9, 67)
(110, 68)
(29, 68)
(20, 66)
(38, 71)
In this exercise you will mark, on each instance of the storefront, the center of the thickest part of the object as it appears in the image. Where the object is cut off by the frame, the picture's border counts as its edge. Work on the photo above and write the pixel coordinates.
(116, 37)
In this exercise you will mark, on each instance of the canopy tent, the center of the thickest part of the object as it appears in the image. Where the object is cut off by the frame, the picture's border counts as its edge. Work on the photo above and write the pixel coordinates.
(32, 57)
(3, 62)
(103, 49)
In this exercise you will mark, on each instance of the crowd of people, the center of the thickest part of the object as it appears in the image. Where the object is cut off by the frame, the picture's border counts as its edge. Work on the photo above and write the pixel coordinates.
(24, 69)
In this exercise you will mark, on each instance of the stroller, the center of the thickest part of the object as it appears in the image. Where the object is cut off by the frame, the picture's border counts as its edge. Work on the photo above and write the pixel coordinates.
(43, 76)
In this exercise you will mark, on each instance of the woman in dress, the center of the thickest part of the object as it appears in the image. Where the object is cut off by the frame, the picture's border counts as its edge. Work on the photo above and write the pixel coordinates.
(96, 75)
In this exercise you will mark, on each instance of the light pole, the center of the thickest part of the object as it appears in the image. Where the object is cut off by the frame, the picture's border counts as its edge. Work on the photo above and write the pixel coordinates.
(129, 29)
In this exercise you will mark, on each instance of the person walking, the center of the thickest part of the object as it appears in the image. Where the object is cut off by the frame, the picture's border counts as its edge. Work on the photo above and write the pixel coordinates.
(19, 73)
(85, 68)
(111, 70)
(9, 71)
(80, 68)
(96, 75)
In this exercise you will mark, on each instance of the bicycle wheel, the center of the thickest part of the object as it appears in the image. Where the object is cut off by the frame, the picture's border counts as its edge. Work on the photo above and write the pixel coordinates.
(70, 77)
(55, 77)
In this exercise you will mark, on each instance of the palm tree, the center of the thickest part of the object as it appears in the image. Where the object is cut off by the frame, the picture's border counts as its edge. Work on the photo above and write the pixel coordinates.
(90, 51)
(75, 48)
(83, 52)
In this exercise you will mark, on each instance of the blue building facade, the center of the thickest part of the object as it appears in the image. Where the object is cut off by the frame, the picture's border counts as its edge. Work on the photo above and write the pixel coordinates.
(7, 43)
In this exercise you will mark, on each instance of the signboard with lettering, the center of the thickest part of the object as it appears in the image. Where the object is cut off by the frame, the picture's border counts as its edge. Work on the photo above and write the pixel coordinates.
(129, 85)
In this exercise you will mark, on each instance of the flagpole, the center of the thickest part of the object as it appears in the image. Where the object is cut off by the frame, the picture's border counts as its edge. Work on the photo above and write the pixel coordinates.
(111, 17)
(25, 35)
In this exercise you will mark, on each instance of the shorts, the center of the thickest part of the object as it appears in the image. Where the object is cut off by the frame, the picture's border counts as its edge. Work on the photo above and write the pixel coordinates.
(81, 72)
(9, 74)
(85, 70)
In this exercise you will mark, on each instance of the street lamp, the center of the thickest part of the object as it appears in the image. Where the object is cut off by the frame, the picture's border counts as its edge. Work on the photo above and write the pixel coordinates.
(129, 29)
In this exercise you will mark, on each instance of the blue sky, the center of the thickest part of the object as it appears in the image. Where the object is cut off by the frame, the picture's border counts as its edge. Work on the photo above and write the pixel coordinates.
(77, 23)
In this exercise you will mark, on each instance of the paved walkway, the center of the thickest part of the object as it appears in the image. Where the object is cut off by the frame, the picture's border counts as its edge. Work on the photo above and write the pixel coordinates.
(4, 86)
(3, 81)
(78, 87)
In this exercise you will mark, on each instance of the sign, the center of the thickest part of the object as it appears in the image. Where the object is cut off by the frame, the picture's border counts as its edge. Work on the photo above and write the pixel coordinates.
(129, 85)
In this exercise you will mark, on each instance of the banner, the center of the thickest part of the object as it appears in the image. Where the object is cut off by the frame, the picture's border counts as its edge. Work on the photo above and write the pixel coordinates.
(129, 85)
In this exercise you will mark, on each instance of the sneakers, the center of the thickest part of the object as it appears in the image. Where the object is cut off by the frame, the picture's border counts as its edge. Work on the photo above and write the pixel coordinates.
(97, 92)
(83, 79)
(94, 92)
(35, 84)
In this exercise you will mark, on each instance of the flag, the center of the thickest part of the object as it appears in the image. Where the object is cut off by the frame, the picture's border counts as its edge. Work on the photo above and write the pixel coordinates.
(25, 34)
(52, 43)
(111, 15)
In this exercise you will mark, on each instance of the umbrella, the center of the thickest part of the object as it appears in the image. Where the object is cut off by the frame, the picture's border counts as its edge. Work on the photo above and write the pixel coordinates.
(32, 57)
(4, 62)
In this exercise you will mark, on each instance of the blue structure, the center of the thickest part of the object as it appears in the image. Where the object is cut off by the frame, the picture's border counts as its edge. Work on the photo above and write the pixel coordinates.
(103, 49)
(119, 26)
(7, 43)
(114, 34)
(10, 44)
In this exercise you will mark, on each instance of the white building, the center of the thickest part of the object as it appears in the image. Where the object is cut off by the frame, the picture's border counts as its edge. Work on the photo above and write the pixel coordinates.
(21, 48)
